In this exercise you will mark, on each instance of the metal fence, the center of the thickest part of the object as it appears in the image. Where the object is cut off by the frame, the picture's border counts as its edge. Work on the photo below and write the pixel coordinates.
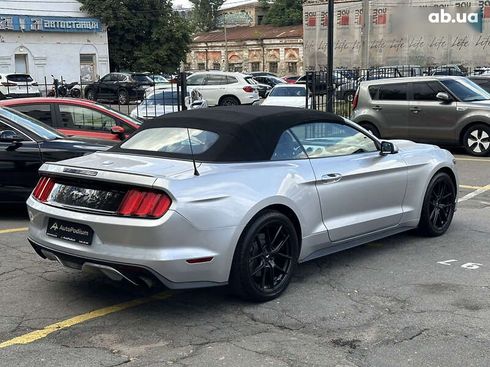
(141, 100)
(346, 81)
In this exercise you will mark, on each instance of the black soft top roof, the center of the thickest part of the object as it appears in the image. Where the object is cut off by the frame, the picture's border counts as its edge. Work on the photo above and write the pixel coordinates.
(246, 133)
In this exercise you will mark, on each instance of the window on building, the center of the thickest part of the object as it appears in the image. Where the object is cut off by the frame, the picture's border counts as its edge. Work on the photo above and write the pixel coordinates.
(255, 66)
(273, 67)
(21, 64)
(87, 67)
(260, 19)
(236, 67)
(216, 66)
(201, 66)
(292, 67)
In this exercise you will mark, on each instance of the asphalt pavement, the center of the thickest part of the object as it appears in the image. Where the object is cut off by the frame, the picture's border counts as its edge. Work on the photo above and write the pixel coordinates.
(401, 301)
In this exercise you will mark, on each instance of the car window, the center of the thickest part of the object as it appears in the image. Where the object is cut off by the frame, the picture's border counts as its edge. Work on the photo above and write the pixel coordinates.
(4, 127)
(34, 126)
(389, 92)
(19, 78)
(142, 78)
(196, 79)
(121, 78)
(288, 148)
(215, 80)
(107, 78)
(231, 80)
(250, 80)
(426, 91)
(328, 139)
(41, 112)
(81, 118)
(171, 140)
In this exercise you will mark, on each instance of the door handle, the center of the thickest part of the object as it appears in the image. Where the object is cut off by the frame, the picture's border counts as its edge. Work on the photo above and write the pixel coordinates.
(331, 178)
(415, 110)
(377, 108)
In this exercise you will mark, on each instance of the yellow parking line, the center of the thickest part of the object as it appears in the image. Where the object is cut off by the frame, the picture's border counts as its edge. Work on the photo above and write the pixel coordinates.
(39, 334)
(13, 230)
(473, 159)
(471, 187)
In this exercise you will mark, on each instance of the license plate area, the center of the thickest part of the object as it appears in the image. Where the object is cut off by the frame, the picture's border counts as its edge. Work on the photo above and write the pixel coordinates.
(70, 231)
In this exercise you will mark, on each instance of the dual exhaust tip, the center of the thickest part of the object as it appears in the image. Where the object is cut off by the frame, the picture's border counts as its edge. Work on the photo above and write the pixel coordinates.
(109, 271)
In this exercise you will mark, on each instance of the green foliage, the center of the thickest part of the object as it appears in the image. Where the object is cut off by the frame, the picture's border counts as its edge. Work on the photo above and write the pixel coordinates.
(284, 12)
(144, 35)
(204, 14)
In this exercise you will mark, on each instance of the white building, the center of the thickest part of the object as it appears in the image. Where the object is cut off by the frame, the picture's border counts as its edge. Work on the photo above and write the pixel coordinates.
(44, 38)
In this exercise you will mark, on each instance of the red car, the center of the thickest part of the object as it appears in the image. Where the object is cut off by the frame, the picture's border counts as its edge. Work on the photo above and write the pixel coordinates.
(291, 79)
(76, 117)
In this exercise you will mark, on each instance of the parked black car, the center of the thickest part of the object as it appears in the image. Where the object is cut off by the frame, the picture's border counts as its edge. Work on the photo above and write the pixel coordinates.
(120, 87)
(25, 144)
(272, 81)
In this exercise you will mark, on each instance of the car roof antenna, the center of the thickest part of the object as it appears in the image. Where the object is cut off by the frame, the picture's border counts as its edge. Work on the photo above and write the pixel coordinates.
(196, 172)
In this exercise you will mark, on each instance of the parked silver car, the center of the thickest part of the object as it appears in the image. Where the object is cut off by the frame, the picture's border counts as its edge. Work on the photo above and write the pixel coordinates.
(236, 195)
(444, 110)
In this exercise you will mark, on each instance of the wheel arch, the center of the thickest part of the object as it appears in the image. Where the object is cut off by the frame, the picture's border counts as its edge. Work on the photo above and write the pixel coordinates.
(227, 96)
(469, 125)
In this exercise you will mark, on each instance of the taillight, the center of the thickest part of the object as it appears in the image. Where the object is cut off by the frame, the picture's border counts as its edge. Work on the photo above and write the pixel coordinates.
(248, 89)
(9, 84)
(43, 189)
(144, 204)
(355, 100)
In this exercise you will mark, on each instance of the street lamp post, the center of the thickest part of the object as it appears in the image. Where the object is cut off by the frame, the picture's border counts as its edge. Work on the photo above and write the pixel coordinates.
(330, 86)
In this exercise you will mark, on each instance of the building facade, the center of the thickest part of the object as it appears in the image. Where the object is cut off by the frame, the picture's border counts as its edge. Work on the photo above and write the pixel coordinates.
(48, 38)
(258, 48)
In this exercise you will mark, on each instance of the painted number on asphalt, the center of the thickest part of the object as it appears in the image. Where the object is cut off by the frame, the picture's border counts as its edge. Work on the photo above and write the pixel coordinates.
(468, 266)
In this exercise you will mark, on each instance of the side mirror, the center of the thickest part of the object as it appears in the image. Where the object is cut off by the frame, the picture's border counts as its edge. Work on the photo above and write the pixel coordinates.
(388, 148)
(119, 131)
(10, 136)
(444, 97)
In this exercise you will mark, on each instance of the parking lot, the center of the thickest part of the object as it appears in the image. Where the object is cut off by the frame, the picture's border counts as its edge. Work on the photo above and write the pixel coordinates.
(401, 301)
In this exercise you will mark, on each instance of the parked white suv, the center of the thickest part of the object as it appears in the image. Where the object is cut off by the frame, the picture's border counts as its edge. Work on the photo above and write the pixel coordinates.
(17, 86)
(224, 88)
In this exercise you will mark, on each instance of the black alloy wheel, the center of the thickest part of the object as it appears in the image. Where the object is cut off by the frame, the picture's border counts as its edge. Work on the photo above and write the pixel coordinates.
(476, 140)
(438, 207)
(122, 96)
(265, 258)
(229, 101)
(91, 94)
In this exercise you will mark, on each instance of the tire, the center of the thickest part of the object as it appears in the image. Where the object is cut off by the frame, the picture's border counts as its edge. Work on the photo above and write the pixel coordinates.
(229, 101)
(476, 140)
(439, 205)
(371, 128)
(265, 258)
(90, 94)
(75, 93)
(122, 96)
(349, 96)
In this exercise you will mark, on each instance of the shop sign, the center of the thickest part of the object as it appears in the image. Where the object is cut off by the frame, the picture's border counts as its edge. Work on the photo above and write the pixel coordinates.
(26, 23)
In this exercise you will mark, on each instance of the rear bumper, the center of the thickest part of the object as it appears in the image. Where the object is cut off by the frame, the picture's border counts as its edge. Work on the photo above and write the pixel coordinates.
(159, 248)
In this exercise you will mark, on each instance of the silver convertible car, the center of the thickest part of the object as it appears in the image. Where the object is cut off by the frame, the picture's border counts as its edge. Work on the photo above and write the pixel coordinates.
(238, 196)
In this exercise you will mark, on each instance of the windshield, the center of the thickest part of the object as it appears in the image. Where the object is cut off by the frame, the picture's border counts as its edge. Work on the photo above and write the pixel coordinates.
(175, 140)
(466, 90)
(159, 79)
(36, 127)
(168, 98)
(288, 92)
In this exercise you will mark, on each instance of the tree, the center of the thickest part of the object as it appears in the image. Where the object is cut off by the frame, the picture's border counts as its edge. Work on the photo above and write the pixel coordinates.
(284, 12)
(205, 13)
(143, 35)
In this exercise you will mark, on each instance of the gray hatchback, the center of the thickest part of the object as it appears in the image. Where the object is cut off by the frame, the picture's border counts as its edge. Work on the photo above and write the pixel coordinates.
(444, 110)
